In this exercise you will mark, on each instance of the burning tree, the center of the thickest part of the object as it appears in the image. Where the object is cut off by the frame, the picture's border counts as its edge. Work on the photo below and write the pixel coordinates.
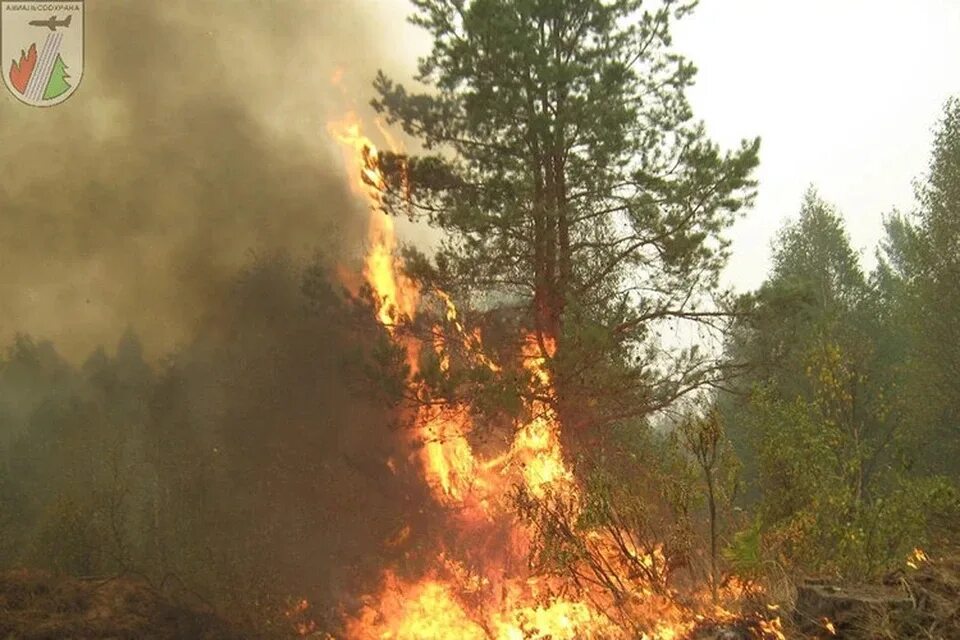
(581, 207)
(574, 187)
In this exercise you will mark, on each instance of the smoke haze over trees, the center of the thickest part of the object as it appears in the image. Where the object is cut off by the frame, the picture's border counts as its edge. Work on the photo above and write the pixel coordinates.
(192, 390)
(177, 363)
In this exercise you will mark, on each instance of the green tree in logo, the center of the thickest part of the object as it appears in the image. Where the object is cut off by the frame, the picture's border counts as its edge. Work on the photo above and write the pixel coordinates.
(57, 85)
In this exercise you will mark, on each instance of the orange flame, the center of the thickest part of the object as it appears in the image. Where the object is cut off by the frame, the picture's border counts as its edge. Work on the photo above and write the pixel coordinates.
(302, 625)
(829, 626)
(916, 558)
(398, 296)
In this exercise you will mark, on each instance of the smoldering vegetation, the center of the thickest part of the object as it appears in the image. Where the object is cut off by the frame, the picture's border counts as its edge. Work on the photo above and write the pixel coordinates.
(185, 389)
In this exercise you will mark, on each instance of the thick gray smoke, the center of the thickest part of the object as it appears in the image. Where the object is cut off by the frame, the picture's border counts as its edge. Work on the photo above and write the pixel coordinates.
(180, 193)
(198, 136)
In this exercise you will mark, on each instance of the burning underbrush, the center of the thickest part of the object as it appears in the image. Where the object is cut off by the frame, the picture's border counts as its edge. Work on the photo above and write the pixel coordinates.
(519, 551)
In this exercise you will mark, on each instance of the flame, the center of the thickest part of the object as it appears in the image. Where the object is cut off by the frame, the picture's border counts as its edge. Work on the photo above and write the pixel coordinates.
(299, 618)
(537, 443)
(916, 558)
(829, 626)
(20, 72)
(398, 295)
(502, 600)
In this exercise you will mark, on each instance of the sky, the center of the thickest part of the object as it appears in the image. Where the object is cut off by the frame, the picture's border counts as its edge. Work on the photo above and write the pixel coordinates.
(843, 93)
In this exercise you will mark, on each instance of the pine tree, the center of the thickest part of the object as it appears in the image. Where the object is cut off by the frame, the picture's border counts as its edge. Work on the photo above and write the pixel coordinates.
(57, 85)
(572, 182)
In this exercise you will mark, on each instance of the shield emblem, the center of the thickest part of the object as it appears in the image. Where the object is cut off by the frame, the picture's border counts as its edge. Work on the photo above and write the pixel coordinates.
(41, 43)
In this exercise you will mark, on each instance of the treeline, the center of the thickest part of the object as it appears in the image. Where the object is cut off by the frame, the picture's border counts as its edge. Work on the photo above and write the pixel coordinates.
(847, 421)
(247, 467)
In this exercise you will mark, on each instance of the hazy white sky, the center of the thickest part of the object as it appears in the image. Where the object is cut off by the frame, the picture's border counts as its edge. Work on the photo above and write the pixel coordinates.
(844, 94)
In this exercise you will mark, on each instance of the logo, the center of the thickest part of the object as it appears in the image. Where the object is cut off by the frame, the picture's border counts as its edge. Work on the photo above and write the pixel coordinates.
(41, 44)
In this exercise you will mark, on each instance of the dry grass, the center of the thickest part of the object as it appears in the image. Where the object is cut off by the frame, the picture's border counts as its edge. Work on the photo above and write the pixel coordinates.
(934, 590)
(921, 603)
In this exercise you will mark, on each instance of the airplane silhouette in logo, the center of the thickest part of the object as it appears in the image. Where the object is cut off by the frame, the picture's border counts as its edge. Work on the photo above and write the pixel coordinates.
(52, 23)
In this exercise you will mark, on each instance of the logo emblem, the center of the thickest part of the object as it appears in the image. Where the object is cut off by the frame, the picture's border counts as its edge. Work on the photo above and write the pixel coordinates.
(41, 44)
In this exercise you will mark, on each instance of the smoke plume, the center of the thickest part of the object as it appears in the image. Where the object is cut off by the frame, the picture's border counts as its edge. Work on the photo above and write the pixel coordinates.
(198, 135)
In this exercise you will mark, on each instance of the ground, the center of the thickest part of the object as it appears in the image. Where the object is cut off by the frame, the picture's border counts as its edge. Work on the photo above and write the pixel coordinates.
(914, 603)
(35, 605)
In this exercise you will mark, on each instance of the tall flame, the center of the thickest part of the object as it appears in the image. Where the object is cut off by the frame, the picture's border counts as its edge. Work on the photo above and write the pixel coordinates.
(398, 296)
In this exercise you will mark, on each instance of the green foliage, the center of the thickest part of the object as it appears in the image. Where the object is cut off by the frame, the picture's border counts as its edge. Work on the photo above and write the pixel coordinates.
(814, 255)
(704, 438)
(825, 508)
(745, 553)
(571, 182)
(919, 279)
(832, 432)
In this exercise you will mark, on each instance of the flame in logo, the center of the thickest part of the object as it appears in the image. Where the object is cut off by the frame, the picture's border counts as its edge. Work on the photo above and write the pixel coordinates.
(20, 72)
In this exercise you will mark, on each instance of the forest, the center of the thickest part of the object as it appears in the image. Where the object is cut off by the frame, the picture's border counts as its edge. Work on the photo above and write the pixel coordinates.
(555, 422)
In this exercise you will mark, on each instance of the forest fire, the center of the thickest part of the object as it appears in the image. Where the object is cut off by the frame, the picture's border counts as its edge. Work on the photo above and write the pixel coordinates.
(480, 319)
(496, 594)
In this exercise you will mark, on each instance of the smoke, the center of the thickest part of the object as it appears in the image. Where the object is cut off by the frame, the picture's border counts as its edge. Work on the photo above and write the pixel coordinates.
(196, 137)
